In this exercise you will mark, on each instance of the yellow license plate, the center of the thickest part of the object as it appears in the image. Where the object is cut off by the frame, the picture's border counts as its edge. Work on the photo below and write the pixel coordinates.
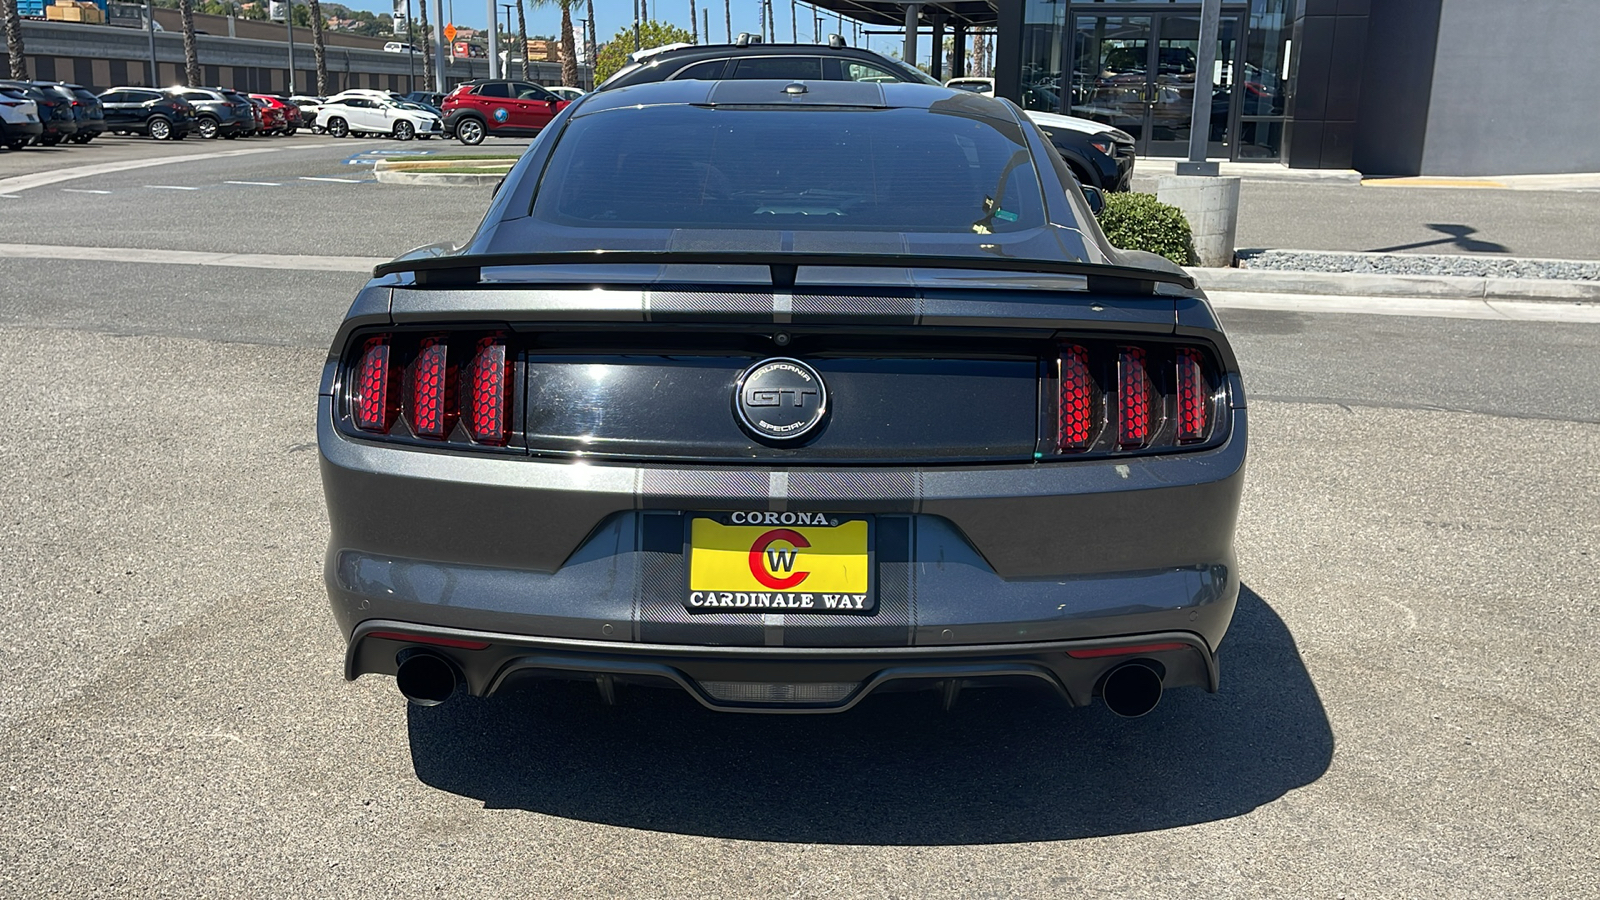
(779, 562)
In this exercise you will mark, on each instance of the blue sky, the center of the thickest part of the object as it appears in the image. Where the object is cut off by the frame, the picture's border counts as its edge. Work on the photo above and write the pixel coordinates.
(615, 14)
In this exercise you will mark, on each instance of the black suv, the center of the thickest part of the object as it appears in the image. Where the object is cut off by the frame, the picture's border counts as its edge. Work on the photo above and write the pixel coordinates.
(219, 112)
(749, 59)
(141, 110)
(1099, 156)
(86, 111)
(55, 112)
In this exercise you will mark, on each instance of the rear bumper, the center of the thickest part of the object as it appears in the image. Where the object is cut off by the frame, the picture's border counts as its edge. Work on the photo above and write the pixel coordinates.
(16, 130)
(574, 570)
(784, 680)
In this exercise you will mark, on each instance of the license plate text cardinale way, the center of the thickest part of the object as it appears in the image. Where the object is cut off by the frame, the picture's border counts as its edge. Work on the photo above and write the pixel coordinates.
(803, 562)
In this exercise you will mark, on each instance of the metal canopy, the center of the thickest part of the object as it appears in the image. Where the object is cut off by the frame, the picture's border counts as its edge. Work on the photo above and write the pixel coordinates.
(893, 12)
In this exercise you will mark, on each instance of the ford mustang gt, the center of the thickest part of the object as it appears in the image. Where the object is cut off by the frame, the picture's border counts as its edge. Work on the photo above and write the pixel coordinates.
(784, 394)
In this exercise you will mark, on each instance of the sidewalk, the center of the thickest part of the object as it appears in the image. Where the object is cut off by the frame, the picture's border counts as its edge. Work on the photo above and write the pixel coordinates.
(1154, 166)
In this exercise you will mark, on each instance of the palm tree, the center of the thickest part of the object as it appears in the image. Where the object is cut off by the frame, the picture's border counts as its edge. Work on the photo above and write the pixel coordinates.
(319, 49)
(19, 65)
(590, 44)
(569, 50)
(522, 35)
(191, 58)
(694, 22)
(727, 17)
(427, 48)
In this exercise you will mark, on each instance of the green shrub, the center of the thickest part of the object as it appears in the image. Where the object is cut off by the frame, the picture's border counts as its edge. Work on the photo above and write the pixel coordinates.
(1141, 222)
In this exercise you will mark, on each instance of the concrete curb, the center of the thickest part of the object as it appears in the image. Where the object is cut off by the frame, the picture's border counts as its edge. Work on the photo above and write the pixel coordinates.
(1363, 284)
(1254, 171)
(402, 173)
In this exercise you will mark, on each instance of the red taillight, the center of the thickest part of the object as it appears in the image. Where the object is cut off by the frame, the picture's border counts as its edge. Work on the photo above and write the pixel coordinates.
(486, 400)
(1132, 650)
(430, 408)
(1194, 396)
(374, 399)
(1077, 401)
(456, 643)
(1134, 423)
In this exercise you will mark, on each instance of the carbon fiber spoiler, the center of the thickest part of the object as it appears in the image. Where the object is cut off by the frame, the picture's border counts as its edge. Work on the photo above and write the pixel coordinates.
(467, 270)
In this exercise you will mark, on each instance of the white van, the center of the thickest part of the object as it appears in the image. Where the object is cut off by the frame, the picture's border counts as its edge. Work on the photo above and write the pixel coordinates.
(394, 47)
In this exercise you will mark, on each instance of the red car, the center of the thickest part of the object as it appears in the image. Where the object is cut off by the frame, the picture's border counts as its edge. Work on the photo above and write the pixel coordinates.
(479, 109)
(277, 114)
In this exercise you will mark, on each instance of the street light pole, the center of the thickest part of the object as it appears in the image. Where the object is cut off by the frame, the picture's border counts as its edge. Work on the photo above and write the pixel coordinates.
(438, 45)
(150, 26)
(494, 41)
(1204, 70)
(288, 27)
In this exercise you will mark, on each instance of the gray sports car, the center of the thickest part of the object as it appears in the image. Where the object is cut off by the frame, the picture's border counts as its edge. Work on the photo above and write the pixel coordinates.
(784, 394)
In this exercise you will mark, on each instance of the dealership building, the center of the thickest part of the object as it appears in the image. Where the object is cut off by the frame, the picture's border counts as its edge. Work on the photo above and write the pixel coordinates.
(1388, 87)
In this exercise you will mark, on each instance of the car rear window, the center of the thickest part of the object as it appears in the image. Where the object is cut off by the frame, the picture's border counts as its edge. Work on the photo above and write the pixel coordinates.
(778, 67)
(898, 170)
(495, 89)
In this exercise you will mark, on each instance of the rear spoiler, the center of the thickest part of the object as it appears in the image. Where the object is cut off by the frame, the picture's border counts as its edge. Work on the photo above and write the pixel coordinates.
(467, 269)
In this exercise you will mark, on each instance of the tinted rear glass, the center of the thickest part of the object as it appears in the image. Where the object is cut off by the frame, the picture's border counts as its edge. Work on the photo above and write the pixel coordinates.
(798, 68)
(895, 170)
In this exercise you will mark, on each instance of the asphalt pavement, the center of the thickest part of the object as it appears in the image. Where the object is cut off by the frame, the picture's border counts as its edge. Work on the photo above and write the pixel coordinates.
(1405, 690)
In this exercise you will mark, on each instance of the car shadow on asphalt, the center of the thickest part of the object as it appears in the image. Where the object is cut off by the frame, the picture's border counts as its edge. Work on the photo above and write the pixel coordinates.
(1002, 766)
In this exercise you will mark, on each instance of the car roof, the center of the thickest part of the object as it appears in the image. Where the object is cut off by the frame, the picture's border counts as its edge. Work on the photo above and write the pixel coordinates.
(689, 53)
(776, 94)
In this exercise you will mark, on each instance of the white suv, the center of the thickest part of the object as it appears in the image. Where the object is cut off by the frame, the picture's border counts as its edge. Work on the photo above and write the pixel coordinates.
(348, 114)
(19, 119)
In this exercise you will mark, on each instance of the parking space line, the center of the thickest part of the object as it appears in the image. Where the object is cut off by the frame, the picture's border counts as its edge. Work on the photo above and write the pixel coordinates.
(339, 180)
(168, 187)
(256, 183)
(81, 191)
(361, 264)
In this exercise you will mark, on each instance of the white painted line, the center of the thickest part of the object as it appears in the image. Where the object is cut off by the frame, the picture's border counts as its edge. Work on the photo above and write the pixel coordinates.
(257, 183)
(170, 187)
(40, 179)
(339, 180)
(10, 196)
(362, 264)
(1424, 307)
(81, 191)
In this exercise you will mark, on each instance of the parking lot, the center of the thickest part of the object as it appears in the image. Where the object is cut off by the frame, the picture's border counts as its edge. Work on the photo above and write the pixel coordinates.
(1406, 688)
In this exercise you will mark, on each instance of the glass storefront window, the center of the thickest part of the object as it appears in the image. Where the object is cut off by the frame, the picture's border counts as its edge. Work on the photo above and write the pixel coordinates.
(1043, 55)
(1086, 59)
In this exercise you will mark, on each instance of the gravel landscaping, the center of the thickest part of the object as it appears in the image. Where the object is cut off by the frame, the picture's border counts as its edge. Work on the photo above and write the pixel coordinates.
(1419, 264)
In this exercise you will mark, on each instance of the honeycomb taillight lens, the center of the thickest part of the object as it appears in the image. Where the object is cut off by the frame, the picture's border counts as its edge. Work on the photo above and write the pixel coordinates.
(1134, 419)
(1076, 419)
(486, 407)
(430, 383)
(1194, 395)
(449, 387)
(1123, 396)
(373, 404)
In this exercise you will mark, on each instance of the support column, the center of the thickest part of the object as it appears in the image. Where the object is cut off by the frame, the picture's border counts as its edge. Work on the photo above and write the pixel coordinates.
(913, 10)
(1007, 59)
(958, 59)
(936, 57)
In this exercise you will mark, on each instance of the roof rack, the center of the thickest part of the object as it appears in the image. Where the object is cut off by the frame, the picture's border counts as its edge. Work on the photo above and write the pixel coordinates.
(745, 39)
